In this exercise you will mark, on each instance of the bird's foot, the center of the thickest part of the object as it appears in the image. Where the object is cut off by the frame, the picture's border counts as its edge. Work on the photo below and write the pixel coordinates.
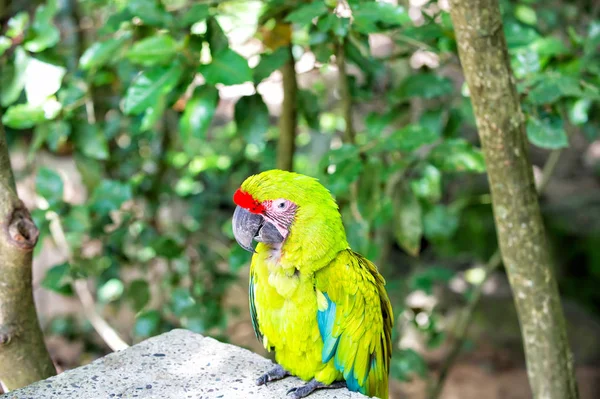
(272, 375)
(313, 385)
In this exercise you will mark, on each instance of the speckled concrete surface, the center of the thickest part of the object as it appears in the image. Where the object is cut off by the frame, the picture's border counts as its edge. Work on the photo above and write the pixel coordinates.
(175, 365)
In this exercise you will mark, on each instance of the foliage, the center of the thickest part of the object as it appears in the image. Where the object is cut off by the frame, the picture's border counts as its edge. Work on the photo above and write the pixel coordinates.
(135, 99)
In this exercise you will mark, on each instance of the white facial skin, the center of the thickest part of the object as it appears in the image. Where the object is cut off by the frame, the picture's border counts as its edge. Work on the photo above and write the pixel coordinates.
(280, 213)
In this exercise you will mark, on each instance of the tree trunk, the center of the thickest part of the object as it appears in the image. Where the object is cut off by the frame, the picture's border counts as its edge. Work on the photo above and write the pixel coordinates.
(523, 244)
(289, 115)
(24, 358)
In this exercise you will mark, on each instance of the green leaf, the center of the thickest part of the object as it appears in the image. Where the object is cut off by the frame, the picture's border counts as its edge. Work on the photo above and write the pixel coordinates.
(553, 87)
(23, 116)
(198, 115)
(457, 155)
(149, 85)
(151, 12)
(579, 112)
(342, 168)
(358, 52)
(100, 53)
(217, 40)
(369, 16)
(13, 78)
(425, 85)
(153, 114)
(269, 63)
(154, 50)
(76, 224)
(109, 196)
(376, 123)
(58, 279)
(440, 223)
(518, 35)
(525, 14)
(110, 291)
(407, 363)
(425, 280)
(17, 24)
(305, 14)
(524, 62)
(91, 141)
(5, 44)
(196, 13)
(411, 137)
(46, 35)
(335, 24)
(167, 247)
(408, 224)
(429, 185)
(147, 323)
(227, 67)
(547, 132)
(91, 170)
(252, 118)
(182, 301)
(49, 185)
(138, 294)
(549, 47)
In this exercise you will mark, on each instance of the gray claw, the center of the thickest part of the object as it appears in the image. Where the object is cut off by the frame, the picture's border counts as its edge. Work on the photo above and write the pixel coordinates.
(272, 375)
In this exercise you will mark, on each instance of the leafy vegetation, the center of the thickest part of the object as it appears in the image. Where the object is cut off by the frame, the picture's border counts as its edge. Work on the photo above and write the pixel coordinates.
(165, 107)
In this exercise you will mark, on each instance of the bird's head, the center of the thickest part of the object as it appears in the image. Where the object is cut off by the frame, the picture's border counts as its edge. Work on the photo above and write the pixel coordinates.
(294, 211)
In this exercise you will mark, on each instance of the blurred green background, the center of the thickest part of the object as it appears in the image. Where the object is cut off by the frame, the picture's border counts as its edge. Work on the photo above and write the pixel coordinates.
(131, 124)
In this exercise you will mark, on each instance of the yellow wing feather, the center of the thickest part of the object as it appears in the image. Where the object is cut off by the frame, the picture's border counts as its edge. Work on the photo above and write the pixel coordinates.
(356, 326)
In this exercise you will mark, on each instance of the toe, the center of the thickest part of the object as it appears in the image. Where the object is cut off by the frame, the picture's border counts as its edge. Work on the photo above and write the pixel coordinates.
(262, 380)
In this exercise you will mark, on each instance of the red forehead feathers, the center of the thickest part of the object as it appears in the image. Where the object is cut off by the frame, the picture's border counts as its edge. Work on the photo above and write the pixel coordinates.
(248, 202)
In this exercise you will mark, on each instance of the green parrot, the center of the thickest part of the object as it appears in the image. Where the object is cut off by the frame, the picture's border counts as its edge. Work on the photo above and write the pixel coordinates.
(320, 306)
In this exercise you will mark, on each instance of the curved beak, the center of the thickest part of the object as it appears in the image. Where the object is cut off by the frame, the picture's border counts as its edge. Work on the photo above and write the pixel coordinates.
(248, 227)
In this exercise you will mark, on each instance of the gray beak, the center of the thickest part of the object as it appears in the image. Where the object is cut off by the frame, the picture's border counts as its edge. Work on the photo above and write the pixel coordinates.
(248, 227)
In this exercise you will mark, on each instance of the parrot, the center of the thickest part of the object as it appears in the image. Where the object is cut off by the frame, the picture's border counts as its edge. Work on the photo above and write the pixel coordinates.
(321, 307)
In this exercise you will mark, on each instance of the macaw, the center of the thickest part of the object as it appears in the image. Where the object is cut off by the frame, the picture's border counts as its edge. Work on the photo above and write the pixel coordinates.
(320, 306)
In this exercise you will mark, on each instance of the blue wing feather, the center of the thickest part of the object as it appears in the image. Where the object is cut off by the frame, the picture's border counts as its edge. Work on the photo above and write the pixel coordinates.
(325, 320)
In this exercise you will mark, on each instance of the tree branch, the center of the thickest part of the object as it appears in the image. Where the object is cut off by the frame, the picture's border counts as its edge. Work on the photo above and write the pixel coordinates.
(466, 315)
(289, 116)
(522, 239)
(24, 358)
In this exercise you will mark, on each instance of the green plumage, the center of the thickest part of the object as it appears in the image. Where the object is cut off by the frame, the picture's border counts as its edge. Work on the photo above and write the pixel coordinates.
(321, 306)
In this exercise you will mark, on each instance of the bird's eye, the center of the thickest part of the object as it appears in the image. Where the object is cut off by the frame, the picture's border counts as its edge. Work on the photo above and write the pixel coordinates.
(281, 205)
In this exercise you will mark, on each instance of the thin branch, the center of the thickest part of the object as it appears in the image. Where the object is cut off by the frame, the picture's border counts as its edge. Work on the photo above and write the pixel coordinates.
(106, 332)
(286, 145)
(345, 95)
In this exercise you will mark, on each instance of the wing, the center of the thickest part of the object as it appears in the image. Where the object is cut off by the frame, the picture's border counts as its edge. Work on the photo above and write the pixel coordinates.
(253, 316)
(355, 321)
